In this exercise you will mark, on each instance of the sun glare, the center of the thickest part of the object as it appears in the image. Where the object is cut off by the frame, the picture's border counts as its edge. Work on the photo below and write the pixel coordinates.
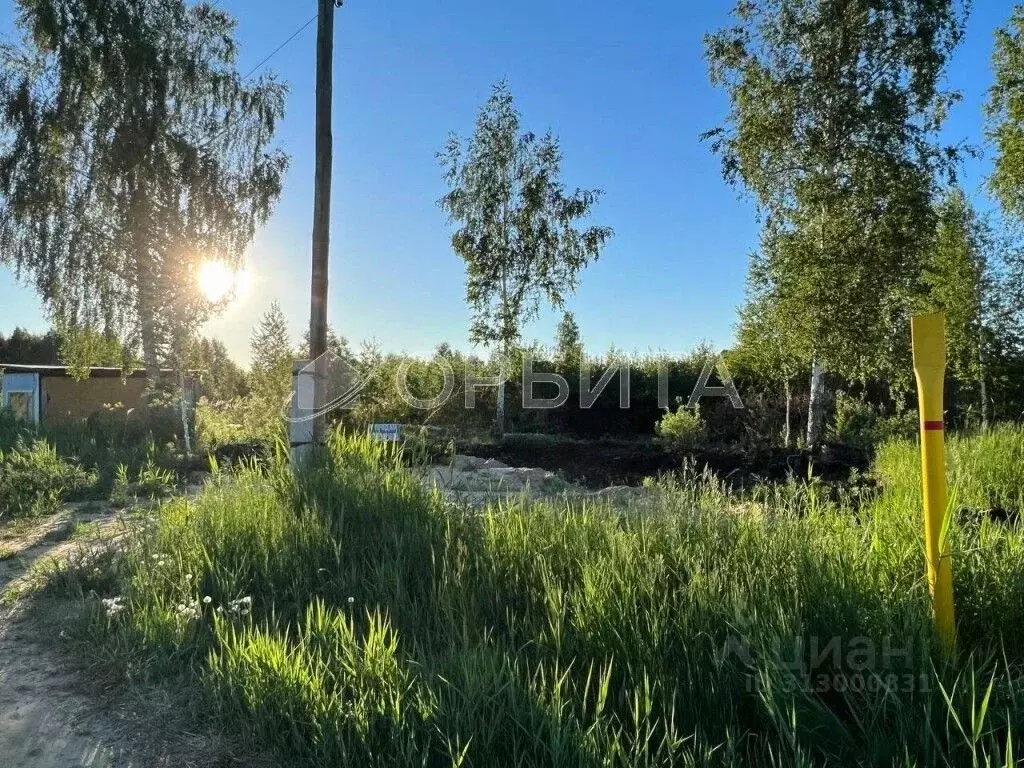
(218, 281)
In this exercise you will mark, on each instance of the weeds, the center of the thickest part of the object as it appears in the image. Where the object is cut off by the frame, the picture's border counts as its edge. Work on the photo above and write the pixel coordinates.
(151, 482)
(344, 615)
(985, 470)
(35, 481)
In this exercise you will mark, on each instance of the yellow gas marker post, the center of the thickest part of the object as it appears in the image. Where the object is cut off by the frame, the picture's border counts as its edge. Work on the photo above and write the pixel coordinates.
(928, 333)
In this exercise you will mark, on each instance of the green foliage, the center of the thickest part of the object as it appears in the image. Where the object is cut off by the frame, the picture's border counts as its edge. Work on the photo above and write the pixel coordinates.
(270, 377)
(151, 482)
(222, 378)
(336, 344)
(34, 480)
(984, 470)
(85, 347)
(365, 707)
(834, 114)
(763, 345)
(568, 345)
(257, 414)
(864, 425)
(1005, 113)
(381, 401)
(681, 430)
(13, 430)
(24, 348)
(972, 275)
(958, 279)
(178, 166)
(223, 423)
(854, 421)
(117, 435)
(517, 224)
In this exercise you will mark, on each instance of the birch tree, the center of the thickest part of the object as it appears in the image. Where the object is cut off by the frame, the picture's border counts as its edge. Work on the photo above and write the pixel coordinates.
(516, 225)
(568, 344)
(834, 110)
(131, 151)
(973, 275)
(763, 345)
(1005, 116)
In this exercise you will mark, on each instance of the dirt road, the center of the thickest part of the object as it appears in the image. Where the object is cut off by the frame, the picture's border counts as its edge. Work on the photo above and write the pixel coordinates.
(50, 715)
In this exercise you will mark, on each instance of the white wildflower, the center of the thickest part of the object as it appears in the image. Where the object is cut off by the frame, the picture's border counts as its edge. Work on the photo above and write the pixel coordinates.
(189, 611)
(240, 607)
(113, 605)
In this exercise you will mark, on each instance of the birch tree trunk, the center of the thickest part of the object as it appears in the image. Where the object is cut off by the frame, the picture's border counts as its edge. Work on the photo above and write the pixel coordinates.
(499, 416)
(982, 388)
(150, 357)
(786, 434)
(816, 407)
(815, 412)
(145, 301)
(184, 414)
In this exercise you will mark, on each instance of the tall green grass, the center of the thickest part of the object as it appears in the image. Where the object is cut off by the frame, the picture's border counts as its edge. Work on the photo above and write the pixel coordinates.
(985, 470)
(347, 616)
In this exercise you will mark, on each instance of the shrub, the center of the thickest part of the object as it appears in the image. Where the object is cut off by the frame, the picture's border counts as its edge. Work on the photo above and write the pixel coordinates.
(34, 480)
(863, 425)
(682, 430)
(111, 437)
(248, 419)
(903, 425)
(855, 421)
(13, 430)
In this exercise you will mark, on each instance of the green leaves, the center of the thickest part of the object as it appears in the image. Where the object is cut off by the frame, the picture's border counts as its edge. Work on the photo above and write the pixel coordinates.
(516, 221)
(1005, 113)
(834, 108)
(134, 151)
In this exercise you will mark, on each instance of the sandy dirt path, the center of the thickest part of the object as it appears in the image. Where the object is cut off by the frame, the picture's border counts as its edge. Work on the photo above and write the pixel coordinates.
(50, 715)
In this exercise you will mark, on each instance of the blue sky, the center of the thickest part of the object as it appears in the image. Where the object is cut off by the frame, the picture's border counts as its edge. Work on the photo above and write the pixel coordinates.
(623, 85)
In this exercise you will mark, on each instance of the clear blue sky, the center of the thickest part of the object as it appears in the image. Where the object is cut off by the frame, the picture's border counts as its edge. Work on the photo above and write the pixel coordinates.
(622, 84)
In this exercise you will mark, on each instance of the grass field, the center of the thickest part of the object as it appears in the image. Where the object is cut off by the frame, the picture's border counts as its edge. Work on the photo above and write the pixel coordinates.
(348, 617)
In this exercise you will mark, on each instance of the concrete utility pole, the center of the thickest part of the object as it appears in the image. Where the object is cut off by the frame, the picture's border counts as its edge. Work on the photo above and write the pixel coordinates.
(322, 202)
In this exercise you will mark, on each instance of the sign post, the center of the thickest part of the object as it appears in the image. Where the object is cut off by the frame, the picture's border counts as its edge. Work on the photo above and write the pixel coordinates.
(386, 433)
(928, 334)
(303, 408)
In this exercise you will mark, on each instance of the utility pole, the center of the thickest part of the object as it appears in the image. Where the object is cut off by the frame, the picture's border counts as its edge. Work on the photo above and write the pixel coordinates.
(321, 203)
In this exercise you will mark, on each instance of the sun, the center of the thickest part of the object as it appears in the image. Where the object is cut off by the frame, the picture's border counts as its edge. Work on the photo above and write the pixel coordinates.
(218, 281)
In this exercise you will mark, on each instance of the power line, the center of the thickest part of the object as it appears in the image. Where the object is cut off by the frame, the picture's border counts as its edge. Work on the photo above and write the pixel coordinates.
(247, 76)
(231, 123)
(277, 50)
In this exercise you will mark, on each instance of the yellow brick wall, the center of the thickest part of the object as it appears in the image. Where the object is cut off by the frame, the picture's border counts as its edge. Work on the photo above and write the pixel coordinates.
(65, 399)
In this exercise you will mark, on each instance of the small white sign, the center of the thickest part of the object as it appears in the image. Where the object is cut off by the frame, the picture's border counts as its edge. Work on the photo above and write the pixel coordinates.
(388, 433)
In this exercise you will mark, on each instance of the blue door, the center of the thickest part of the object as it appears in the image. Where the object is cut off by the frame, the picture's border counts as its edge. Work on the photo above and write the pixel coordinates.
(20, 393)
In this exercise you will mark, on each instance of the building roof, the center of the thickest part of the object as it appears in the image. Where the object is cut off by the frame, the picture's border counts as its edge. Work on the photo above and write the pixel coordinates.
(63, 370)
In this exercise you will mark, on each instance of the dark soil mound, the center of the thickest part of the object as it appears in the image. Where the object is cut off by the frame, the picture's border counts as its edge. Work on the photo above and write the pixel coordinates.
(602, 463)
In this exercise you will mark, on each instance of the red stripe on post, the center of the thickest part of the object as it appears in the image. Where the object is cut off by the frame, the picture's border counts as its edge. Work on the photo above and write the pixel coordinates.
(934, 425)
